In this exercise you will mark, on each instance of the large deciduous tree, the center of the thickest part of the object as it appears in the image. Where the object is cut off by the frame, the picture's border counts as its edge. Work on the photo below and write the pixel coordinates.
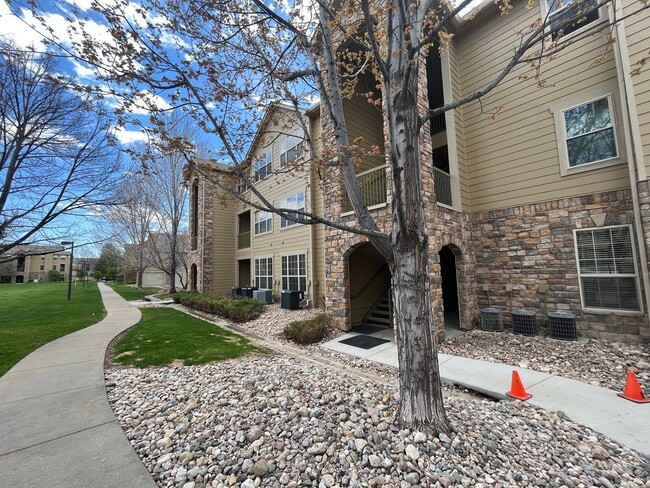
(55, 154)
(218, 60)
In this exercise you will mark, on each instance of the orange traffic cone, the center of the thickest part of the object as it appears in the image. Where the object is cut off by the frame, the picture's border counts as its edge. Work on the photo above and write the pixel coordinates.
(632, 390)
(517, 388)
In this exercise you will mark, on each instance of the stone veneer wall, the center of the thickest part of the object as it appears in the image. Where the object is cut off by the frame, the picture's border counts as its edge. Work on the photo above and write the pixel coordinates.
(532, 245)
(202, 256)
(444, 227)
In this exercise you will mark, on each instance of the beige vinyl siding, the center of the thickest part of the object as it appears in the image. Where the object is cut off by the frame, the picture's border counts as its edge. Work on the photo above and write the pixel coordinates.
(456, 92)
(514, 159)
(637, 28)
(295, 239)
(224, 238)
(318, 231)
(365, 121)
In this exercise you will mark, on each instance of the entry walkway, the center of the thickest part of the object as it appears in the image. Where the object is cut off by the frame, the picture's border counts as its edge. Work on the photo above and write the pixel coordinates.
(57, 428)
(595, 407)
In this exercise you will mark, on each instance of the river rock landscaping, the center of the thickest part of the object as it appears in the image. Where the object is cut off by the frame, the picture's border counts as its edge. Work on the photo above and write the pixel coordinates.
(598, 362)
(278, 421)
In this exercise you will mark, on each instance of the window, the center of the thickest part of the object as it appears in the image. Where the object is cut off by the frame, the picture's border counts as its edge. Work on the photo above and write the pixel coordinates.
(561, 11)
(294, 151)
(62, 268)
(54, 267)
(263, 222)
(42, 268)
(589, 132)
(607, 268)
(294, 272)
(264, 273)
(263, 166)
(294, 201)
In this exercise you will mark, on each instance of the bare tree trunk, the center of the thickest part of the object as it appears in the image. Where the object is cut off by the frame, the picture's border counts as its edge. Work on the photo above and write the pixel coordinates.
(421, 404)
(173, 241)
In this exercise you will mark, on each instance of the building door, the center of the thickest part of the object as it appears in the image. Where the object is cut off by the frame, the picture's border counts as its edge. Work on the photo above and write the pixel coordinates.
(244, 272)
(449, 287)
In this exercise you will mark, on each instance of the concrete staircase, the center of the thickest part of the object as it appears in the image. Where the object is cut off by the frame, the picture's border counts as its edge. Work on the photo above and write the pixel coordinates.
(380, 314)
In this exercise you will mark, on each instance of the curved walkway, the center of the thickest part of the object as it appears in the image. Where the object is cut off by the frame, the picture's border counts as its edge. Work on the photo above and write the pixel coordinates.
(57, 428)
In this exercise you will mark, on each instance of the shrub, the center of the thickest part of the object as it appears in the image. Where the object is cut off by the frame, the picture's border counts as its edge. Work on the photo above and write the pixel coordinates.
(235, 309)
(308, 331)
(54, 275)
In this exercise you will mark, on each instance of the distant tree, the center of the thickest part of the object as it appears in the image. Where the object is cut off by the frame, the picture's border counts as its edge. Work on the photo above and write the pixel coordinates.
(96, 275)
(130, 222)
(109, 261)
(54, 275)
(56, 157)
(166, 184)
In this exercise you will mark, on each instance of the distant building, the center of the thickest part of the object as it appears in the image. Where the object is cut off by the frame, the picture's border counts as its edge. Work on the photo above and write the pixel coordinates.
(33, 263)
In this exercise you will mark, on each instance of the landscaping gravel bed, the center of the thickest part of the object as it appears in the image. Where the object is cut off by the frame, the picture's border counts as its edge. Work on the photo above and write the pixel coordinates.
(277, 421)
(598, 362)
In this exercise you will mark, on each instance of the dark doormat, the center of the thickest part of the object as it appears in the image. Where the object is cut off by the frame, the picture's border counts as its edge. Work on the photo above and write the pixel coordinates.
(364, 341)
(367, 329)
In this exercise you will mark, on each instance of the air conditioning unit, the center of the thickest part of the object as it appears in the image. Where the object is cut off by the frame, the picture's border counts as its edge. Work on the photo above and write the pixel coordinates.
(264, 296)
(524, 322)
(562, 325)
(491, 320)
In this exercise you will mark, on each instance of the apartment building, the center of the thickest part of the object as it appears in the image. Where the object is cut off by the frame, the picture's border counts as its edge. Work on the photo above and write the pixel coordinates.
(233, 243)
(536, 197)
(33, 263)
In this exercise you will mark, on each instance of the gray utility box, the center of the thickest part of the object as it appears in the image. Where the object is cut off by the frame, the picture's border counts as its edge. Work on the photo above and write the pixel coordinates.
(264, 296)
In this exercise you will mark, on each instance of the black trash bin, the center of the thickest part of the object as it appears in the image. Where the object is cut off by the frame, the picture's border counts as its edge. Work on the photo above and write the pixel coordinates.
(247, 291)
(291, 299)
(236, 291)
(524, 322)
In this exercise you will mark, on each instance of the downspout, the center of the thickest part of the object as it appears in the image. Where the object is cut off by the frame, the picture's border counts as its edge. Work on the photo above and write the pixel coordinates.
(635, 165)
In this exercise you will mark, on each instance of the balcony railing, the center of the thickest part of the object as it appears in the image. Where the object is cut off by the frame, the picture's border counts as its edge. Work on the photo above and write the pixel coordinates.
(372, 184)
(442, 186)
(243, 240)
(438, 124)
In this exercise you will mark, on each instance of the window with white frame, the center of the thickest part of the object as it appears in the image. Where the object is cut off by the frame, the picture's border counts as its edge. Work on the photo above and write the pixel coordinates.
(291, 150)
(561, 13)
(607, 268)
(263, 166)
(296, 202)
(589, 132)
(294, 272)
(263, 222)
(264, 273)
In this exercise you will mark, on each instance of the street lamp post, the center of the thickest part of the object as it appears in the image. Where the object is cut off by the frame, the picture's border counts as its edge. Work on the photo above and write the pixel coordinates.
(69, 243)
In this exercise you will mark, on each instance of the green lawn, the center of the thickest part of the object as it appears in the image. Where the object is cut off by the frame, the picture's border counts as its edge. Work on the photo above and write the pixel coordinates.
(130, 292)
(166, 336)
(33, 314)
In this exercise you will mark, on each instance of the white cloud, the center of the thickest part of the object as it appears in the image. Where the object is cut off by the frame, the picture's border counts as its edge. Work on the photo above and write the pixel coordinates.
(130, 136)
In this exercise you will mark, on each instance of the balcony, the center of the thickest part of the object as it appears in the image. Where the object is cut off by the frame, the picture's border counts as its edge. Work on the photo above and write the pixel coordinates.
(244, 230)
(442, 186)
(372, 184)
(438, 124)
(243, 240)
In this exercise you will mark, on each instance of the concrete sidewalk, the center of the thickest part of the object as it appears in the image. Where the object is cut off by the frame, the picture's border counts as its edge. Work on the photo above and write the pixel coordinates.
(57, 428)
(595, 407)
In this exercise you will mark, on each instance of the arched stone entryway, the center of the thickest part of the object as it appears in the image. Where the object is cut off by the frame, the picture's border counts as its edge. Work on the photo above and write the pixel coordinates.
(368, 280)
(449, 284)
